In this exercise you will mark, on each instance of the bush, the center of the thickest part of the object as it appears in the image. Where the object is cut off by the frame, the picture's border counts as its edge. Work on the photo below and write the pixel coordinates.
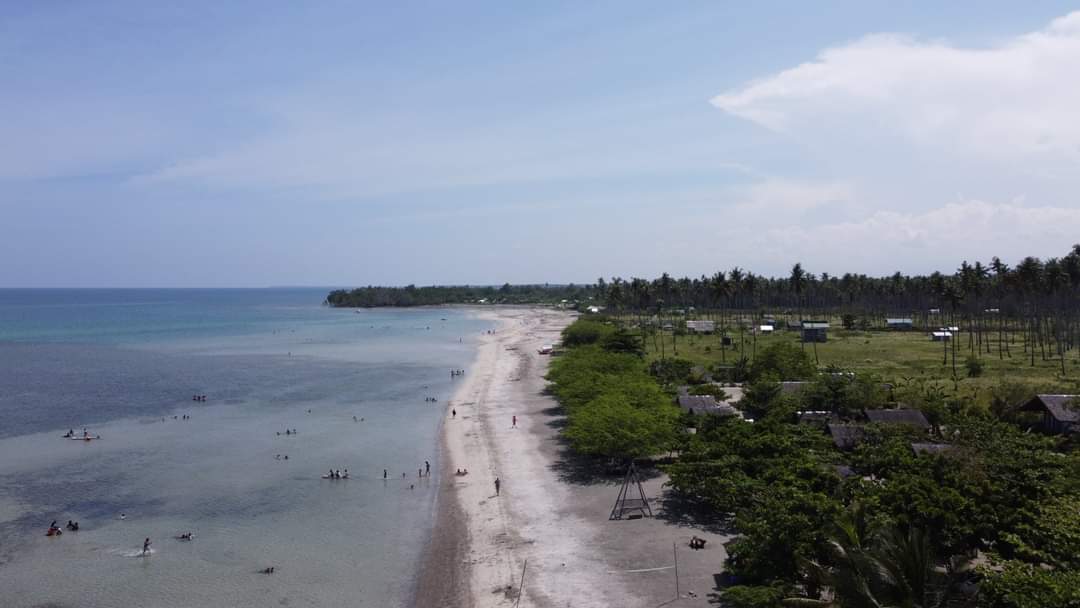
(584, 332)
(671, 371)
(974, 366)
(787, 361)
(710, 389)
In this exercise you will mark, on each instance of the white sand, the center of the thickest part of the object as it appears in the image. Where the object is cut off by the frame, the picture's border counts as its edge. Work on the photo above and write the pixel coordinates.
(576, 557)
(521, 524)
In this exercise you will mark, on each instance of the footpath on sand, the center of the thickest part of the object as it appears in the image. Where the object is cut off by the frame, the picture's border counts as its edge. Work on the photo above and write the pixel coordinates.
(547, 531)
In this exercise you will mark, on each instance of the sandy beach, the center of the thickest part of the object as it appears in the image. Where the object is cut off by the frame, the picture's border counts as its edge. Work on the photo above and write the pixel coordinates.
(547, 532)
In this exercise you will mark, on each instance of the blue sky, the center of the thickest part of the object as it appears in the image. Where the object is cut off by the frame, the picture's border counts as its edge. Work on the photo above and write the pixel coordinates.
(345, 143)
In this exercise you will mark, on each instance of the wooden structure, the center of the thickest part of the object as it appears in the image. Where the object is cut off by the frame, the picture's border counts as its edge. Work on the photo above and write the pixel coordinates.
(629, 500)
(1060, 413)
(815, 331)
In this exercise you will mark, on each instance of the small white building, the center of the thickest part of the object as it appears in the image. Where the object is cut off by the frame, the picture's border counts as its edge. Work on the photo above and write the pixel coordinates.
(941, 336)
(701, 326)
(766, 329)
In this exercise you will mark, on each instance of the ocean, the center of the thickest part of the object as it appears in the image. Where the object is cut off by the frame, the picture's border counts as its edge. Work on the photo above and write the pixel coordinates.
(125, 365)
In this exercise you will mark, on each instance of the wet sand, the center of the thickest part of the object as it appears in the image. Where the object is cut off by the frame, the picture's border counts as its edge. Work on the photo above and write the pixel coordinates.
(549, 513)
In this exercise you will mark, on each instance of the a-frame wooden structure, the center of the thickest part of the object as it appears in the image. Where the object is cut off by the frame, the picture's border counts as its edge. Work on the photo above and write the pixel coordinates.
(627, 502)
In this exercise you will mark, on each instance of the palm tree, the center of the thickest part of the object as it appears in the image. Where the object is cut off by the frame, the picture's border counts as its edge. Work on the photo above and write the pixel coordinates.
(869, 569)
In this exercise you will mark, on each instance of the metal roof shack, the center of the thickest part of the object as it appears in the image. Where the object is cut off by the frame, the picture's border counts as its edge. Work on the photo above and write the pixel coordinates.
(899, 323)
(913, 418)
(705, 404)
(815, 331)
(1061, 413)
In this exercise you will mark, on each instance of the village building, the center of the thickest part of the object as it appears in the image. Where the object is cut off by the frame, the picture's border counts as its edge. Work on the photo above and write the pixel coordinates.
(899, 323)
(701, 326)
(846, 436)
(913, 418)
(940, 336)
(1060, 413)
(815, 331)
(705, 404)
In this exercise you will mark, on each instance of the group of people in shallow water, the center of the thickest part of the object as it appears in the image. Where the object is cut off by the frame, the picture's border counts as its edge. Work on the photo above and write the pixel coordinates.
(85, 435)
(337, 474)
(288, 432)
(198, 397)
(457, 372)
(431, 399)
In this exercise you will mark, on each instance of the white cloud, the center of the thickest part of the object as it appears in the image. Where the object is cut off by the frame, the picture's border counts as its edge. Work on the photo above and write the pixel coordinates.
(1014, 100)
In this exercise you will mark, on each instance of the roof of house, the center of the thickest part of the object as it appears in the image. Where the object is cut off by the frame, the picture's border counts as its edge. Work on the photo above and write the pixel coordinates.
(846, 436)
(1064, 408)
(706, 404)
(815, 325)
(894, 320)
(931, 448)
(909, 417)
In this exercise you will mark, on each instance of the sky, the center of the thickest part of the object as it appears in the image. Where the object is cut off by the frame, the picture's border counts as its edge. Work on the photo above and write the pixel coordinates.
(248, 144)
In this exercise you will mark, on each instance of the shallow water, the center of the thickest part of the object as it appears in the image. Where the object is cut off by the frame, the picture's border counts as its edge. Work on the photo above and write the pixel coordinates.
(264, 358)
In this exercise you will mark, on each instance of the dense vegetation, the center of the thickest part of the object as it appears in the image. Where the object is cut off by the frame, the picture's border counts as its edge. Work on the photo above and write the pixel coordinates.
(371, 296)
(990, 518)
(613, 407)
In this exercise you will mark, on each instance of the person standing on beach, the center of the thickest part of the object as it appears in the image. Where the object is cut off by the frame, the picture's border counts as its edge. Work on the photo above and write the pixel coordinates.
(453, 413)
(427, 468)
(514, 422)
(384, 473)
(146, 546)
(497, 484)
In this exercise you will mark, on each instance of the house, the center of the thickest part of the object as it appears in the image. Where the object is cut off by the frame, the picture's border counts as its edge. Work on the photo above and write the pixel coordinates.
(815, 331)
(593, 310)
(701, 326)
(899, 323)
(913, 418)
(1060, 413)
(941, 336)
(705, 404)
(931, 448)
(846, 436)
(766, 329)
(794, 325)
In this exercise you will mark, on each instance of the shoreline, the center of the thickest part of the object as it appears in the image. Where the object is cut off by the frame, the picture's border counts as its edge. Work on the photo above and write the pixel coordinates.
(548, 530)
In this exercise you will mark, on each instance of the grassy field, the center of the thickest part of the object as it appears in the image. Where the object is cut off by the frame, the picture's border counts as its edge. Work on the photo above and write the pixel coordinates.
(892, 355)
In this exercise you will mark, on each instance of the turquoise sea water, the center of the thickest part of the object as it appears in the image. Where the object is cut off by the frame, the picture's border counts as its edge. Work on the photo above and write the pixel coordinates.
(124, 363)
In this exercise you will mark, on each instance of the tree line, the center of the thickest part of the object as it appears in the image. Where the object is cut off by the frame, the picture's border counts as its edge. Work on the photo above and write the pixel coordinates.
(437, 295)
(1029, 310)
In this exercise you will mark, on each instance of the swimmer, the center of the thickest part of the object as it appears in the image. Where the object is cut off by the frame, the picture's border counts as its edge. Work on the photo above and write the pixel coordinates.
(123, 516)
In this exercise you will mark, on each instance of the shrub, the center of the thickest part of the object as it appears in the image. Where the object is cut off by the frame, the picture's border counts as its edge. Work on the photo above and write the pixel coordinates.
(974, 366)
